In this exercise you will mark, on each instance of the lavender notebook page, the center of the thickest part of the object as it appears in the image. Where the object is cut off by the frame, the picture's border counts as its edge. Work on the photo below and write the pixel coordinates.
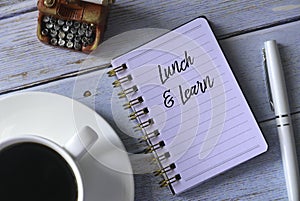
(194, 102)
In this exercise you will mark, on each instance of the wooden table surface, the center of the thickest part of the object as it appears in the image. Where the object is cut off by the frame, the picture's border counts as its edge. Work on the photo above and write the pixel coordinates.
(240, 26)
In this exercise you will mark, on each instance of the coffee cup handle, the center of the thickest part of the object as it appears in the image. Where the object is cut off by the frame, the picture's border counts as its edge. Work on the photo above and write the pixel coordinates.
(81, 142)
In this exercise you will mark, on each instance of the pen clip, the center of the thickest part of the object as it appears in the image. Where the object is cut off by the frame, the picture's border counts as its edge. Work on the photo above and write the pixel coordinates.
(267, 79)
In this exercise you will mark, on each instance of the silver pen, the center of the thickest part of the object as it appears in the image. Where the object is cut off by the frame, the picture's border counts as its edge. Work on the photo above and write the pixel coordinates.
(280, 104)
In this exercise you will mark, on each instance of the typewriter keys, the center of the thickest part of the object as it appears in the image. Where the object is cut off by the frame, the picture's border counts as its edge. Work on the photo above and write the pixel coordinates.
(61, 42)
(59, 21)
(53, 41)
(46, 19)
(70, 36)
(53, 33)
(60, 31)
(69, 44)
(65, 28)
(72, 24)
(45, 32)
(77, 46)
(61, 35)
(49, 25)
(76, 25)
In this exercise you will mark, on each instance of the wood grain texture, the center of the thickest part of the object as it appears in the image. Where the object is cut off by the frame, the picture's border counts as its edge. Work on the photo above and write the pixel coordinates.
(244, 53)
(227, 16)
(16, 7)
(260, 178)
(24, 59)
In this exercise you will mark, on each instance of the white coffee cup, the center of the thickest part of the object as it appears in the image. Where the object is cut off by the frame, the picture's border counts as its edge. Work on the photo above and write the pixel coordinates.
(69, 155)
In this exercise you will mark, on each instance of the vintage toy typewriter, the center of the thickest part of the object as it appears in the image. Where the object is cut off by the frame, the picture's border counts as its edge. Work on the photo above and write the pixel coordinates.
(73, 24)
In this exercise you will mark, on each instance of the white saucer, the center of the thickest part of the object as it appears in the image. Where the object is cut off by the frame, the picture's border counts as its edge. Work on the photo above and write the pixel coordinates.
(106, 168)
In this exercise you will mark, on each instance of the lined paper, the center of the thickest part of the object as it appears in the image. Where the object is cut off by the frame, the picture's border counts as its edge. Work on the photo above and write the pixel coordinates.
(198, 108)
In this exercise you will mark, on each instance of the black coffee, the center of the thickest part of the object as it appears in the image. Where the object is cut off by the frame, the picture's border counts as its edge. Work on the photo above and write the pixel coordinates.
(33, 172)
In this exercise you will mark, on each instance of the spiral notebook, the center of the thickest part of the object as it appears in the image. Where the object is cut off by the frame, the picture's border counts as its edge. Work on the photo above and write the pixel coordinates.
(189, 106)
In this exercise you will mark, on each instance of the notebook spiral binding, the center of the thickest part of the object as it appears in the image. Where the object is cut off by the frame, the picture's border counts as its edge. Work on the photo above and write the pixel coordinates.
(169, 181)
(147, 137)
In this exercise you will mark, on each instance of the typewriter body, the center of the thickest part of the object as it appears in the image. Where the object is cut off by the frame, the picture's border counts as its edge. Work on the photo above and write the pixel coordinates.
(72, 24)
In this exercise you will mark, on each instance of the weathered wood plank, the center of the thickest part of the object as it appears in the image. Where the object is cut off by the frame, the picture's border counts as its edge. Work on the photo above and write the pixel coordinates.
(9, 3)
(244, 53)
(261, 178)
(228, 17)
(24, 59)
(257, 179)
(245, 56)
(16, 7)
